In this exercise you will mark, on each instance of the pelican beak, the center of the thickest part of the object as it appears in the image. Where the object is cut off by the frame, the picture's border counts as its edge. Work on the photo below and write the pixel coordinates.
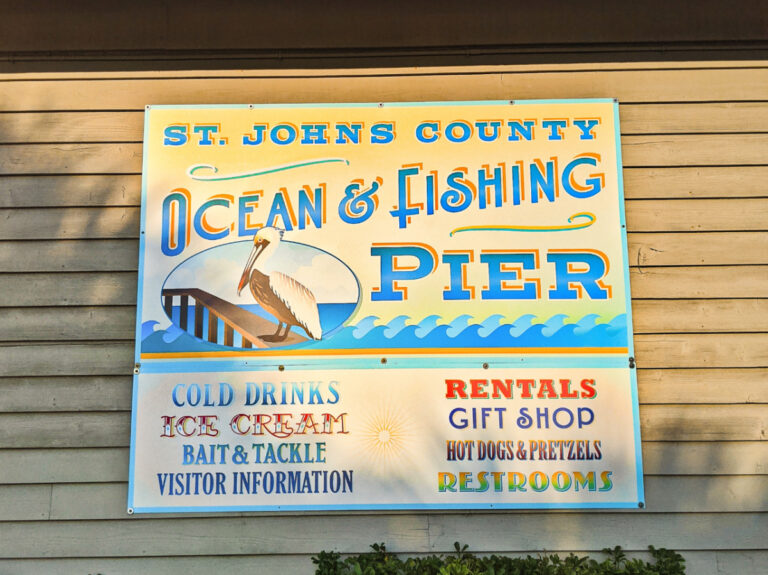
(255, 251)
(243, 281)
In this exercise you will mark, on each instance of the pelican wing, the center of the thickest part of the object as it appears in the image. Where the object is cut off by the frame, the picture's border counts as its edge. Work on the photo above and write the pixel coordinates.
(299, 300)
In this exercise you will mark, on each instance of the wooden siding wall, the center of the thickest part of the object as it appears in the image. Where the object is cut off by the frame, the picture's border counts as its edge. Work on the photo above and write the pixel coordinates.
(695, 147)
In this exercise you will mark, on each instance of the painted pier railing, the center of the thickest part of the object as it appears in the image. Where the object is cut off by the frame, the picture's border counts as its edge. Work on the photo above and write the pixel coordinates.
(236, 319)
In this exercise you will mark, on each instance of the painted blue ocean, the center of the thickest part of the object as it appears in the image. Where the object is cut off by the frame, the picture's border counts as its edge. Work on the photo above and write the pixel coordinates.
(465, 331)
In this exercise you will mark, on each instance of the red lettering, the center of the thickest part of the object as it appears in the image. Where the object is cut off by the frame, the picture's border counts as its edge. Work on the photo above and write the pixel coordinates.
(546, 386)
(565, 390)
(478, 391)
(502, 388)
(206, 425)
(455, 387)
(526, 385)
(588, 388)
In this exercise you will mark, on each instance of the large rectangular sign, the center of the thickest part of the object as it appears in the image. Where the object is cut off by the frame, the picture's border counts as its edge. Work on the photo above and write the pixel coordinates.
(384, 306)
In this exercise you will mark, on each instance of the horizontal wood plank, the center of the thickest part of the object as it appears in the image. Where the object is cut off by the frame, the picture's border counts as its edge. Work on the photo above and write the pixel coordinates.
(699, 282)
(696, 215)
(67, 359)
(681, 386)
(70, 158)
(99, 501)
(630, 85)
(67, 323)
(484, 532)
(110, 464)
(705, 457)
(721, 215)
(694, 150)
(639, 183)
(49, 289)
(703, 248)
(71, 190)
(70, 255)
(74, 323)
(698, 316)
(119, 288)
(644, 250)
(704, 422)
(95, 126)
(692, 118)
(96, 393)
(658, 423)
(94, 429)
(652, 351)
(25, 502)
(493, 532)
(719, 562)
(730, 350)
(195, 565)
(68, 465)
(637, 151)
(258, 535)
(113, 393)
(80, 127)
(69, 223)
(695, 182)
(702, 350)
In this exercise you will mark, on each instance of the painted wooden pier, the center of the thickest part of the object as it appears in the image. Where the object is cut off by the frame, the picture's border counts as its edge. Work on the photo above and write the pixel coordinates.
(249, 325)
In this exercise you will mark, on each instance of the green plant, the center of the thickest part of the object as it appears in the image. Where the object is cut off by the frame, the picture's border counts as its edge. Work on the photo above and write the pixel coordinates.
(462, 562)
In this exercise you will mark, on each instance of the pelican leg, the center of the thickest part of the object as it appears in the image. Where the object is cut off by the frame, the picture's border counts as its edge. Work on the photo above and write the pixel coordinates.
(275, 336)
(285, 335)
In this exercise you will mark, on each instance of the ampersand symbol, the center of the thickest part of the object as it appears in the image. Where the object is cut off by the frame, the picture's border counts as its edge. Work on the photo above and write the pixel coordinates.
(522, 454)
(239, 456)
(358, 205)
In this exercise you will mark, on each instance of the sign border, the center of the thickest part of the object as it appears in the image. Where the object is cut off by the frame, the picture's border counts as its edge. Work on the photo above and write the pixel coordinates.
(520, 359)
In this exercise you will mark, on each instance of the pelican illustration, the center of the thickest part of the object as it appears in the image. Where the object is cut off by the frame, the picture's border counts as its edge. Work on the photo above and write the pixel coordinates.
(289, 301)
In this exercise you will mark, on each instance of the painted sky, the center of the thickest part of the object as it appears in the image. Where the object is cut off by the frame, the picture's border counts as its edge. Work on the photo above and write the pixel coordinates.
(218, 271)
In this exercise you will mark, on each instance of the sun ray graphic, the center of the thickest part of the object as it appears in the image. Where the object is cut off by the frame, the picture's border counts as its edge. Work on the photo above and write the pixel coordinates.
(387, 437)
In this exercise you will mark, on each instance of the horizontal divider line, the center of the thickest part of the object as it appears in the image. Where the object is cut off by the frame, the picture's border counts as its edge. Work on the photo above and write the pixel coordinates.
(691, 103)
(67, 174)
(692, 166)
(213, 78)
(408, 71)
(75, 143)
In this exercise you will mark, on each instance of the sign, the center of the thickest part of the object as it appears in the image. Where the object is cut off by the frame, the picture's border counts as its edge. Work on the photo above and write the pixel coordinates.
(384, 306)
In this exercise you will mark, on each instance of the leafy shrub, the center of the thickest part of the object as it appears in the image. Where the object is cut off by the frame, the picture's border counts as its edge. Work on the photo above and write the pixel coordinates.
(381, 562)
